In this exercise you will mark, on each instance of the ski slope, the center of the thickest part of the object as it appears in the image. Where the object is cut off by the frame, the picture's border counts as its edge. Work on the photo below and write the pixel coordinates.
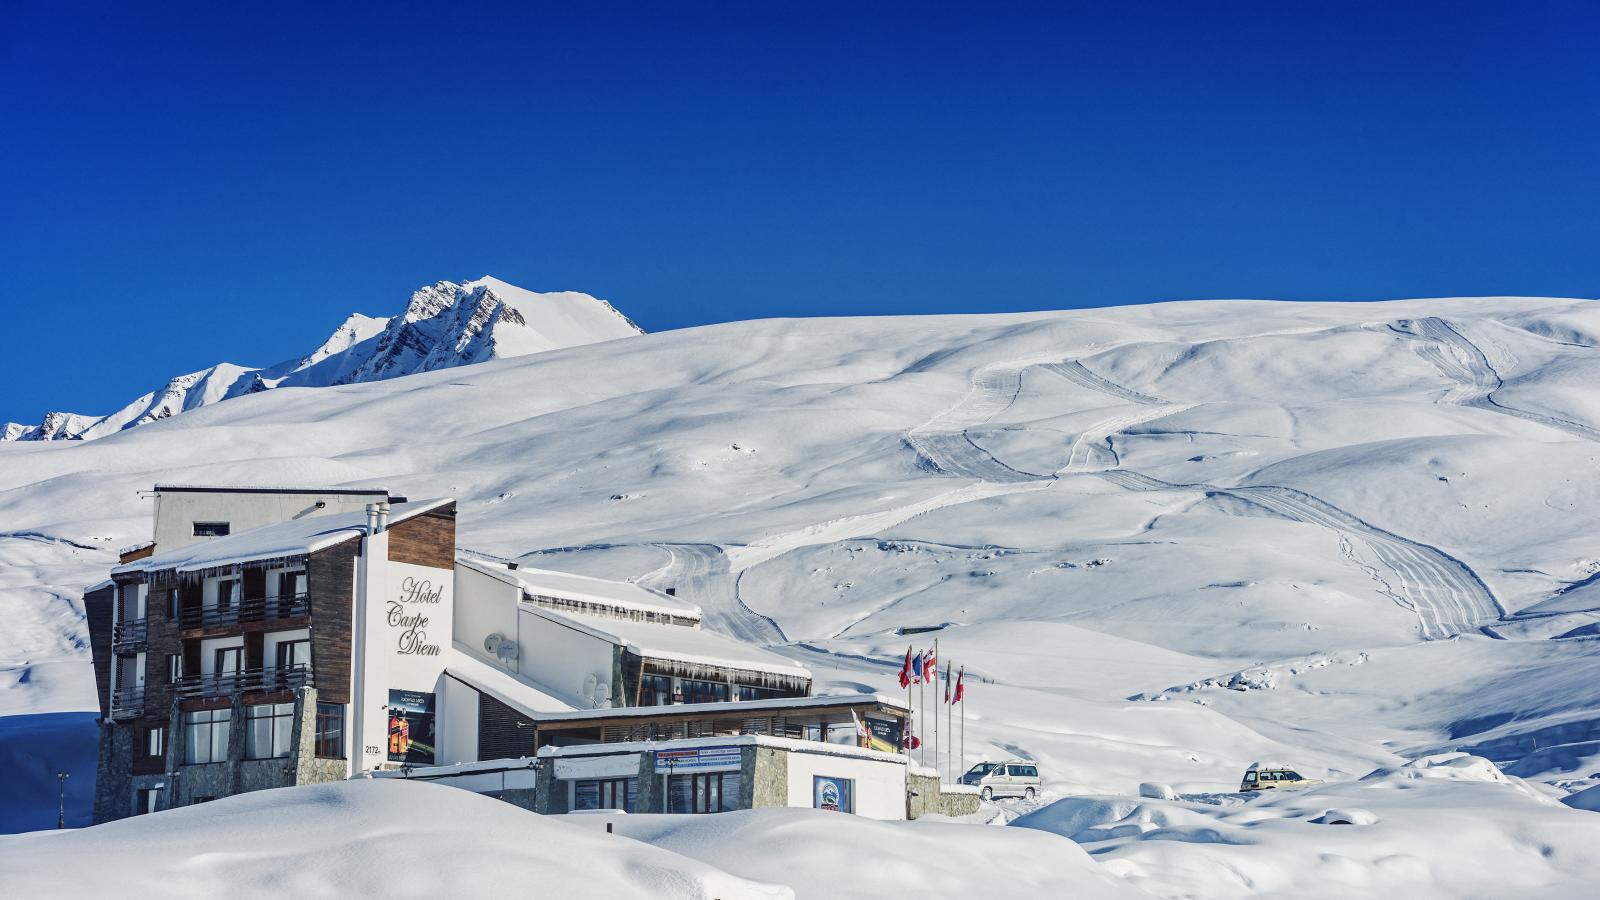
(1142, 529)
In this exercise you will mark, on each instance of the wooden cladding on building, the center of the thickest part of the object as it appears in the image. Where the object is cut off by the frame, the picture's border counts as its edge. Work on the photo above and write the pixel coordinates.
(331, 578)
(426, 540)
(503, 733)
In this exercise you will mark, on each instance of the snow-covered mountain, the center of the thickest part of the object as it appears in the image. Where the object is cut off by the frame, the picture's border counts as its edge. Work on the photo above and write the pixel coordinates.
(1165, 541)
(444, 325)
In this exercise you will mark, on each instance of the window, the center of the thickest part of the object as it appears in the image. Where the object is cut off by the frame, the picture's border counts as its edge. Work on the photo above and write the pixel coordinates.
(751, 692)
(330, 730)
(155, 741)
(612, 793)
(227, 661)
(1023, 771)
(205, 735)
(145, 801)
(210, 529)
(174, 604)
(203, 798)
(655, 690)
(714, 792)
(269, 728)
(837, 794)
(174, 667)
(227, 593)
(291, 585)
(294, 654)
(691, 691)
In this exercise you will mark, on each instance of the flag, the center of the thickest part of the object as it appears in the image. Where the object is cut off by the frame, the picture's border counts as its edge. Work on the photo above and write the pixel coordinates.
(905, 670)
(961, 688)
(932, 664)
(947, 682)
(916, 669)
(861, 728)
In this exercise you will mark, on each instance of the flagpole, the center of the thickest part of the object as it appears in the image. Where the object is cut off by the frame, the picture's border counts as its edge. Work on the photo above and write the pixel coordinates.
(936, 710)
(949, 721)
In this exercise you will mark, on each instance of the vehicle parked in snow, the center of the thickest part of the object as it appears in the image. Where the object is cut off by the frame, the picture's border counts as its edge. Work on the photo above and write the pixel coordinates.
(1012, 778)
(1261, 777)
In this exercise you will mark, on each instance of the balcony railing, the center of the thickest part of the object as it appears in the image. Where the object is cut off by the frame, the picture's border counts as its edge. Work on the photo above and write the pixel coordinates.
(127, 703)
(129, 635)
(256, 609)
(250, 681)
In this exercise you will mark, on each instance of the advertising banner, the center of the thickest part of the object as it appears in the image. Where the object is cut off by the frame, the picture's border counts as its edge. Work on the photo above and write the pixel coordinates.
(883, 734)
(834, 794)
(698, 759)
(411, 731)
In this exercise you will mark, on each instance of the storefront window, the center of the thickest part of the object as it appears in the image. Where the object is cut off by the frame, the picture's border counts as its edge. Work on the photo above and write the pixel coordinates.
(709, 793)
(611, 793)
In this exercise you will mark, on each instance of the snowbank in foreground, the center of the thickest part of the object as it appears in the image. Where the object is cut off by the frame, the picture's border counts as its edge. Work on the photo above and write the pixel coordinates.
(828, 855)
(1446, 826)
(364, 838)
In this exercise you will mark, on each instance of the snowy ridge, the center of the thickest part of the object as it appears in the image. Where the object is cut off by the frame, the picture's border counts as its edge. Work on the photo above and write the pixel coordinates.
(444, 325)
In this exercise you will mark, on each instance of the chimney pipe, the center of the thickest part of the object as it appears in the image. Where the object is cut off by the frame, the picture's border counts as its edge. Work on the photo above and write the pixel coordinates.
(383, 515)
(372, 518)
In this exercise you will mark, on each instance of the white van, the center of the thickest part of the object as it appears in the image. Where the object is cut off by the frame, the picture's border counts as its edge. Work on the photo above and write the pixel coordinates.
(1012, 778)
(1272, 777)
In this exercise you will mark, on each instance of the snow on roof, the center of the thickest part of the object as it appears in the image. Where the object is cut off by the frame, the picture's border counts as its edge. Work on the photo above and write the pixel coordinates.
(264, 489)
(598, 591)
(291, 538)
(730, 708)
(731, 740)
(678, 643)
(504, 686)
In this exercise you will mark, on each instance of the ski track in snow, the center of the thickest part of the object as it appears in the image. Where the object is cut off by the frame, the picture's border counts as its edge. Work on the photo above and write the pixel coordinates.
(701, 571)
(942, 442)
(1446, 595)
(1457, 358)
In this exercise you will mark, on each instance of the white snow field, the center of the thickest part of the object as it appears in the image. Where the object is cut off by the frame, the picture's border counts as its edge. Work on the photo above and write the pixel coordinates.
(1166, 541)
(363, 838)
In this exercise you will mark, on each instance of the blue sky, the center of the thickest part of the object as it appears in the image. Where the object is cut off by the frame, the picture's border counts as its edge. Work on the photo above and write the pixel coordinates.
(184, 185)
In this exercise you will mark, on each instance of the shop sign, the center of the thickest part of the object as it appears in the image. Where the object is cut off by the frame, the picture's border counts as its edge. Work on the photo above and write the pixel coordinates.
(698, 759)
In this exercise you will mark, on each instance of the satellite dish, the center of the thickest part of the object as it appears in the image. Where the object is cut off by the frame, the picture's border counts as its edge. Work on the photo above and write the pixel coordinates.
(492, 643)
(589, 684)
(507, 651)
(602, 695)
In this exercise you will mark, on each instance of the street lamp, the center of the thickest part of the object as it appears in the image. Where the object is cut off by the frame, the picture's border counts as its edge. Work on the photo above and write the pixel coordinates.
(61, 810)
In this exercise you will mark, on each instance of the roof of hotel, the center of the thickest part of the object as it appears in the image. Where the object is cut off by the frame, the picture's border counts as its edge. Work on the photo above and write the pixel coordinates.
(728, 708)
(678, 643)
(504, 686)
(291, 538)
(567, 586)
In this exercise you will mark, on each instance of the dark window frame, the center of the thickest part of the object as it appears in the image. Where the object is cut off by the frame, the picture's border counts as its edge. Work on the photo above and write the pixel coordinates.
(211, 529)
(329, 739)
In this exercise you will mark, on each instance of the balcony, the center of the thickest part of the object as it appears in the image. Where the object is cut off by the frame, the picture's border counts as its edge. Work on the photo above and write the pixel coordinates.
(127, 703)
(250, 681)
(129, 636)
(256, 609)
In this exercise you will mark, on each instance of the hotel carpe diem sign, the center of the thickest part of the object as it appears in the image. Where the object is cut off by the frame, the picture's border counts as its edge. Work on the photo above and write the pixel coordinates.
(409, 613)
